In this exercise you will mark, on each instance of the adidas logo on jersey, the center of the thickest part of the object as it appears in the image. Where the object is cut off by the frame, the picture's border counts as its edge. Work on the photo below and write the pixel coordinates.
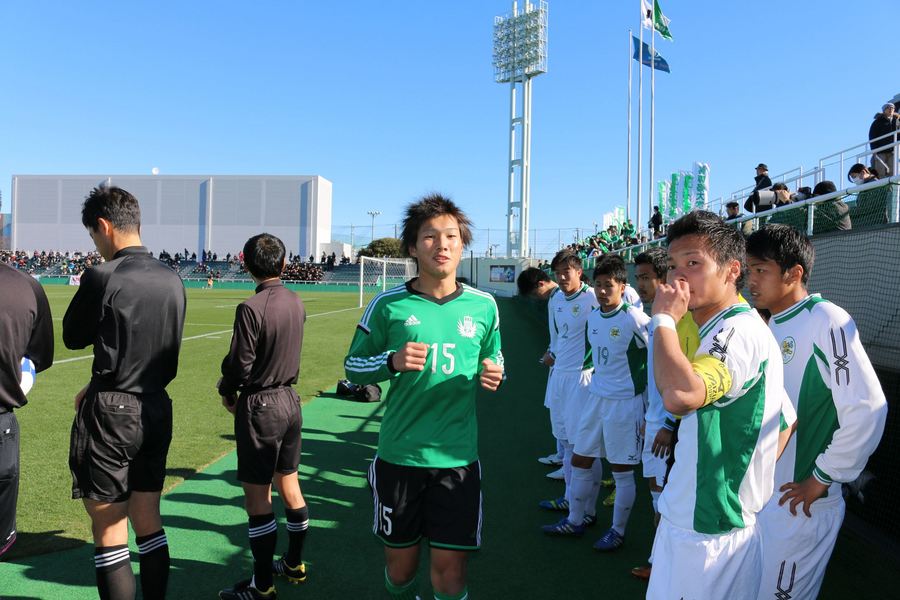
(412, 320)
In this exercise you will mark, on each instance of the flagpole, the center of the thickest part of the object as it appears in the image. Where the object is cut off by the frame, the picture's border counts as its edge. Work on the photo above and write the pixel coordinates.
(628, 176)
(652, 107)
(640, 190)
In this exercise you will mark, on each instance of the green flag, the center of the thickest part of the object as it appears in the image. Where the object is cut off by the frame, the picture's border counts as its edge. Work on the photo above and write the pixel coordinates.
(661, 21)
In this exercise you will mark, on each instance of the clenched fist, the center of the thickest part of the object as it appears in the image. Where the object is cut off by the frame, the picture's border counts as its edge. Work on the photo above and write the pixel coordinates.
(411, 357)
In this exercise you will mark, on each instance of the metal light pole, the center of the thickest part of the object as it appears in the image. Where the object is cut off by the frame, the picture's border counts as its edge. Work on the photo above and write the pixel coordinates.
(520, 54)
(373, 214)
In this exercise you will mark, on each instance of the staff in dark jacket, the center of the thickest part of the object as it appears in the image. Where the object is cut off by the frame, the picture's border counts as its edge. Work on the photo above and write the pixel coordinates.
(883, 123)
(762, 183)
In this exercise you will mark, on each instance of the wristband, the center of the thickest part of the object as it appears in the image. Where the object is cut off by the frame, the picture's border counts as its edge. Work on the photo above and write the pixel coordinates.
(662, 320)
(390, 363)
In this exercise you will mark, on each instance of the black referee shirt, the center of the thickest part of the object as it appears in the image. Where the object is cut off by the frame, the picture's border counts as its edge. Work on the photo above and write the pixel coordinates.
(265, 346)
(132, 310)
(26, 329)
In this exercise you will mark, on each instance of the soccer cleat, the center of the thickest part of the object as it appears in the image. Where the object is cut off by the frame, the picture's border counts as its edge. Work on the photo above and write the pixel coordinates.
(564, 528)
(608, 483)
(243, 590)
(589, 520)
(551, 459)
(611, 540)
(642, 572)
(294, 575)
(557, 474)
(556, 504)
(610, 500)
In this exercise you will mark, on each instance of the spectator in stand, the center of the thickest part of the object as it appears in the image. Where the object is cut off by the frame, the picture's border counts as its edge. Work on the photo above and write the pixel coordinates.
(762, 183)
(734, 212)
(656, 222)
(782, 194)
(837, 210)
(860, 174)
(885, 122)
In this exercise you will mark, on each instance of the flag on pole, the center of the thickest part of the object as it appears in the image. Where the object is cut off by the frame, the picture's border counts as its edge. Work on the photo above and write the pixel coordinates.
(646, 15)
(660, 21)
(643, 54)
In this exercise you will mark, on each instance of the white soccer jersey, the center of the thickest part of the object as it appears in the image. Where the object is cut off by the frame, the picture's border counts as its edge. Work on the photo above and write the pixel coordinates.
(619, 346)
(840, 405)
(630, 296)
(568, 323)
(725, 456)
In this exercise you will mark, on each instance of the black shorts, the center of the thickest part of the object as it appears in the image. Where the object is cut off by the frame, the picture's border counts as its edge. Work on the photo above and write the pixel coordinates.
(267, 430)
(9, 479)
(443, 505)
(119, 445)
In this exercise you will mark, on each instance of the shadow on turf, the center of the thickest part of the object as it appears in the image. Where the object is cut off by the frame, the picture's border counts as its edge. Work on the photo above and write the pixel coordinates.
(32, 544)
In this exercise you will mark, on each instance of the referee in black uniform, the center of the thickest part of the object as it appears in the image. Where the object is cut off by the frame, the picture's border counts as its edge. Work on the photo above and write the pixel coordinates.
(263, 362)
(131, 309)
(26, 329)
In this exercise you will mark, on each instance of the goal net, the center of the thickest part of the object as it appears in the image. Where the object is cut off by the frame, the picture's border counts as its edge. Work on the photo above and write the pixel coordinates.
(378, 274)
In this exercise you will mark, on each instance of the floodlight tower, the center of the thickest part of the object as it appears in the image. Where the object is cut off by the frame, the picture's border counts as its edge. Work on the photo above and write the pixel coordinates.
(520, 54)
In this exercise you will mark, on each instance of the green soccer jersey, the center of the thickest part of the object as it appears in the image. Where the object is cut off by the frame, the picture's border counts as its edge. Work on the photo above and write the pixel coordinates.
(429, 419)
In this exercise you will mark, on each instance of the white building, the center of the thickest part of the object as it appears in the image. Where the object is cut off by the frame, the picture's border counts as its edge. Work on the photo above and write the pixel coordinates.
(214, 212)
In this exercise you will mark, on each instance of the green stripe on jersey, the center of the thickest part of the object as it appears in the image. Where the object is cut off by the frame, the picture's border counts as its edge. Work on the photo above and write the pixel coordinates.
(725, 314)
(637, 364)
(723, 460)
(816, 417)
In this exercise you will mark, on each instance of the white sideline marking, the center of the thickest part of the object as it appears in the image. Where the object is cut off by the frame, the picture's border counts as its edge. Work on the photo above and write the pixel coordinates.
(202, 335)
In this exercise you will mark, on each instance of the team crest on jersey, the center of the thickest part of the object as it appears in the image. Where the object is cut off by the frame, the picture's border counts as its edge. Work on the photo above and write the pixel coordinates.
(466, 327)
(614, 333)
(788, 347)
(575, 310)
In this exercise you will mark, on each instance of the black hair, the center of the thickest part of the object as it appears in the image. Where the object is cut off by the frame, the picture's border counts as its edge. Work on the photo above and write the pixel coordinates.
(824, 187)
(785, 245)
(115, 205)
(724, 242)
(613, 266)
(264, 256)
(566, 258)
(855, 169)
(657, 258)
(732, 204)
(528, 280)
(428, 207)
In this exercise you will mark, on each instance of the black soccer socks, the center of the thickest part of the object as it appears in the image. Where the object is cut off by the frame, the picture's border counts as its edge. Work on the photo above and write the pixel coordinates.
(154, 554)
(263, 532)
(297, 525)
(115, 579)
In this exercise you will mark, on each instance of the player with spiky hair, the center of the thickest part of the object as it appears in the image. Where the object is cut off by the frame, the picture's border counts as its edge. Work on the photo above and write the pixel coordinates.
(840, 407)
(435, 340)
(609, 425)
(569, 359)
(730, 399)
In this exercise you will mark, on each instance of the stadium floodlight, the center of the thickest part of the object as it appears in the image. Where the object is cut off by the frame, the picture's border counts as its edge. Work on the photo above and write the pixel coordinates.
(520, 54)
(373, 214)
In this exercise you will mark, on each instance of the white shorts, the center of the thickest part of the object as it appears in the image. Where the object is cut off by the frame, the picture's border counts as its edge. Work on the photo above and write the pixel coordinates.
(653, 465)
(697, 566)
(796, 549)
(566, 395)
(611, 429)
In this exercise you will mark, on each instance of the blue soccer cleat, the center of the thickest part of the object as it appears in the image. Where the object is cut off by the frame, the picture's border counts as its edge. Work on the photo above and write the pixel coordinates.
(611, 540)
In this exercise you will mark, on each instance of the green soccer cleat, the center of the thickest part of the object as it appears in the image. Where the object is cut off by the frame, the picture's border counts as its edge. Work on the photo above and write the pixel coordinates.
(294, 575)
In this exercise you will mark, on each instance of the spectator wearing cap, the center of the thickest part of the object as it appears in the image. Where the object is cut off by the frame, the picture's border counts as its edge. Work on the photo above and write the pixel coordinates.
(734, 212)
(885, 122)
(860, 174)
(762, 183)
(835, 212)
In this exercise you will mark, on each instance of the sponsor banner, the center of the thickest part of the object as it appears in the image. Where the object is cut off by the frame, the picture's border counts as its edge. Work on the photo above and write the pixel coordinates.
(701, 190)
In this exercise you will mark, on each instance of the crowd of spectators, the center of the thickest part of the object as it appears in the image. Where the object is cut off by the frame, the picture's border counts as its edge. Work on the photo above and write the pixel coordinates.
(44, 261)
(610, 239)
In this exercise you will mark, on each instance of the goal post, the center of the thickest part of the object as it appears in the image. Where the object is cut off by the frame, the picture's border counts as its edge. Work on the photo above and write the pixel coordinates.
(379, 274)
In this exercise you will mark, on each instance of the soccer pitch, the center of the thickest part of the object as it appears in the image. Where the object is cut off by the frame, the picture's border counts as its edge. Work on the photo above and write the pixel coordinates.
(202, 428)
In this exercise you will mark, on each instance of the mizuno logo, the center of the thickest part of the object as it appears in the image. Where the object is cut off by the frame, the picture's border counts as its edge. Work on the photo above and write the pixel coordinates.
(412, 320)
(840, 358)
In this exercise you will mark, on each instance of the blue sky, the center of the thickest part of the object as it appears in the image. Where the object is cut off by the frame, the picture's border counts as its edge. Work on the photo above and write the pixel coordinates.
(393, 99)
